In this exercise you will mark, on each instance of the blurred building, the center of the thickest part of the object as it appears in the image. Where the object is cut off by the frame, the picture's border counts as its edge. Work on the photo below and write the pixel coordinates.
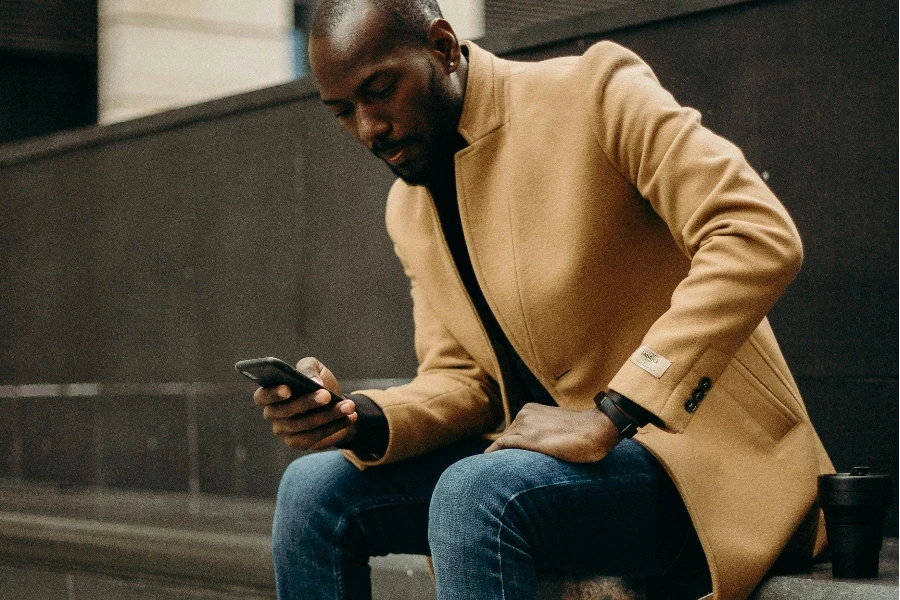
(70, 63)
(159, 54)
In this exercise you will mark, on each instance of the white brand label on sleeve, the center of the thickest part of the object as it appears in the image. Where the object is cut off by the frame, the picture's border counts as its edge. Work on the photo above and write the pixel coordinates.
(650, 361)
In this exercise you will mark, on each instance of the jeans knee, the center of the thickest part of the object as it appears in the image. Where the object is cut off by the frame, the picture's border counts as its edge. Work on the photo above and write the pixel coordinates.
(468, 497)
(308, 496)
(300, 480)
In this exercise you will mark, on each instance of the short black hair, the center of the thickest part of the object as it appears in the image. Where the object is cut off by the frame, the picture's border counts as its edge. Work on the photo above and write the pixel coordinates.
(411, 17)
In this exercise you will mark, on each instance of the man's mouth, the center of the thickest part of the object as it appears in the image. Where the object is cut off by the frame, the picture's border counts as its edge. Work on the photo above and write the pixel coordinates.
(394, 155)
(396, 158)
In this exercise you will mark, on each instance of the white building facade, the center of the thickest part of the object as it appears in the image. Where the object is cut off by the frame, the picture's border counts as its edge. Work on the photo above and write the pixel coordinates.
(156, 55)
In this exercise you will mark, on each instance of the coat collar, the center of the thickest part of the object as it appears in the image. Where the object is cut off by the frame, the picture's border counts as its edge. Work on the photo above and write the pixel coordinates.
(484, 106)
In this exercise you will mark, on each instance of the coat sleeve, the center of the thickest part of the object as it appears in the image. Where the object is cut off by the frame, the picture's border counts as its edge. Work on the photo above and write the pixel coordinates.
(743, 248)
(450, 398)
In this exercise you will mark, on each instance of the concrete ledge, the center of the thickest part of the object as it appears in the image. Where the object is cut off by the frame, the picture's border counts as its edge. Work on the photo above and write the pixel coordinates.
(210, 558)
(213, 541)
(156, 545)
(788, 588)
(818, 584)
(158, 542)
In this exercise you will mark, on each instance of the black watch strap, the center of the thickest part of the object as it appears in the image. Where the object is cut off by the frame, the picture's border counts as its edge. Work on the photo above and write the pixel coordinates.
(626, 426)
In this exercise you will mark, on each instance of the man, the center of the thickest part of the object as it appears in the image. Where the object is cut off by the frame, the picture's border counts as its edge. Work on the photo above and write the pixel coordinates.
(586, 262)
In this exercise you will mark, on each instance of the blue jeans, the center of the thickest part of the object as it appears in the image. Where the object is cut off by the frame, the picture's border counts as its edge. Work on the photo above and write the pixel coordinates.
(489, 521)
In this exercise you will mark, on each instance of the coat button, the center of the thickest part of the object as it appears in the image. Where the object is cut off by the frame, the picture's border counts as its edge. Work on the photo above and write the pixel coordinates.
(698, 395)
(705, 384)
(690, 405)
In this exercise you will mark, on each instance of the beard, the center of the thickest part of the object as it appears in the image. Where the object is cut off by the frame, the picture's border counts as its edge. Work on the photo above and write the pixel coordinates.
(442, 142)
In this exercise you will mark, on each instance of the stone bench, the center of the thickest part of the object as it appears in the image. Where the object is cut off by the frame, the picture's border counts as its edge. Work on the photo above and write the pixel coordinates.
(100, 544)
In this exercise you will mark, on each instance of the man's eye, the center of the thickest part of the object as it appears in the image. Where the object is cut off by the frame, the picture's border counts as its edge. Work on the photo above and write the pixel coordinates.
(382, 92)
(344, 112)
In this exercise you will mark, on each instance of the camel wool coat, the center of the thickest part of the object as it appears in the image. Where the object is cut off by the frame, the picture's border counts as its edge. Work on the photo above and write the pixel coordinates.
(621, 245)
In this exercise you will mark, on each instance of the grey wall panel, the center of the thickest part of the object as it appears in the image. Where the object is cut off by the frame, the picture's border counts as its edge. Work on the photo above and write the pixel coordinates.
(358, 318)
(46, 283)
(59, 443)
(11, 429)
(142, 442)
(514, 15)
(857, 421)
(191, 225)
(168, 257)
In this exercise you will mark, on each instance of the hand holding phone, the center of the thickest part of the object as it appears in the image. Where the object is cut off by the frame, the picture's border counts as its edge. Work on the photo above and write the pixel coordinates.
(305, 418)
(270, 372)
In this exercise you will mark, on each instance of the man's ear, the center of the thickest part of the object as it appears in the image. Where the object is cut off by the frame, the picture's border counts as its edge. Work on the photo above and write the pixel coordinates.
(443, 45)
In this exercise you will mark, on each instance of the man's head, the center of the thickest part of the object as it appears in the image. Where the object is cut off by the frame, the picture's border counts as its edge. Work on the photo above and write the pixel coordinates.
(392, 73)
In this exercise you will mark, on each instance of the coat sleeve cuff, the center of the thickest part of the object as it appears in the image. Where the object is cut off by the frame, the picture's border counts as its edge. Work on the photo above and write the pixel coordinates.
(667, 396)
(371, 439)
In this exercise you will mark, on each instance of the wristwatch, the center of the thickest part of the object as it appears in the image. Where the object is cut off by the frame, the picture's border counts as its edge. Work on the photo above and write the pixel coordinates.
(626, 425)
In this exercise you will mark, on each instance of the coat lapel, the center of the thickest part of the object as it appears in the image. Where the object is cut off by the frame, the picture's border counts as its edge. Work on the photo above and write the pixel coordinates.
(483, 187)
(438, 276)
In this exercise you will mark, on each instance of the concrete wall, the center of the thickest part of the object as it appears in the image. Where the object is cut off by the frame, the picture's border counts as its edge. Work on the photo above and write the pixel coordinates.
(164, 249)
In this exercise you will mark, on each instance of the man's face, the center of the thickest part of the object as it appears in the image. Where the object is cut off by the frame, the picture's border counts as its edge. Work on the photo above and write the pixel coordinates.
(391, 95)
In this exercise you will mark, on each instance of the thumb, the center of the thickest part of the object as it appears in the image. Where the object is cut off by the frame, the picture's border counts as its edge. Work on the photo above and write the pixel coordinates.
(318, 372)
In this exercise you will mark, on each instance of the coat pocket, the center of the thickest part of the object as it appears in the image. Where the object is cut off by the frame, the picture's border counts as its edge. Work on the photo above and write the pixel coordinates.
(761, 404)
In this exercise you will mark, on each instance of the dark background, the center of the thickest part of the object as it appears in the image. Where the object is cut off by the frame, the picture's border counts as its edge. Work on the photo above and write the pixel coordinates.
(165, 249)
(48, 66)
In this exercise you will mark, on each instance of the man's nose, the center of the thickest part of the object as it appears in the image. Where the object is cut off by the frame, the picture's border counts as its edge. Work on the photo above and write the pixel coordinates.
(370, 125)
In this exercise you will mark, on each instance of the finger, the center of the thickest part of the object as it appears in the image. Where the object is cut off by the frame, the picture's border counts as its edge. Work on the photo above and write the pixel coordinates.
(334, 438)
(299, 406)
(314, 419)
(511, 440)
(512, 430)
(309, 421)
(265, 396)
(283, 409)
(313, 440)
(321, 397)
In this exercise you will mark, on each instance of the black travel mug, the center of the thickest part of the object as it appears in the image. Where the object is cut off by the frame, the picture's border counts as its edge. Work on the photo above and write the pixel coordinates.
(854, 505)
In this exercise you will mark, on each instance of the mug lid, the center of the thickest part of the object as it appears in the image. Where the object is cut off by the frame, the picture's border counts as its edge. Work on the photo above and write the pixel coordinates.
(859, 486)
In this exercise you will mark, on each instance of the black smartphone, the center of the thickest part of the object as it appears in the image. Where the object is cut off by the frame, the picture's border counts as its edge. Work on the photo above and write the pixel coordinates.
(270, 371)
